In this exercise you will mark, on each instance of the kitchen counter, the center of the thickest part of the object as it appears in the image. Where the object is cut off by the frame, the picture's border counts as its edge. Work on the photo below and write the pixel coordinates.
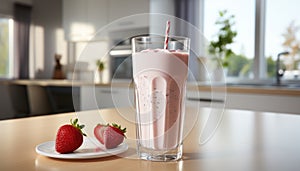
(247, 89)
(61, 83)
(244, 140)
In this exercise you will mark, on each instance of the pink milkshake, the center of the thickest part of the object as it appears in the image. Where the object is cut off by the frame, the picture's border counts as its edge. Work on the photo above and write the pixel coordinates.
(160, 77)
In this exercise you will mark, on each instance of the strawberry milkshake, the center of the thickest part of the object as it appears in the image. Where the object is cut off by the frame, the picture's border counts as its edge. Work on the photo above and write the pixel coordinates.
(160, 77)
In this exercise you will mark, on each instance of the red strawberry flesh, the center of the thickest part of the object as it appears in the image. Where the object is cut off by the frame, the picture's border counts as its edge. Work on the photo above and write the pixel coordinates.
(98, 132)
(68, 139)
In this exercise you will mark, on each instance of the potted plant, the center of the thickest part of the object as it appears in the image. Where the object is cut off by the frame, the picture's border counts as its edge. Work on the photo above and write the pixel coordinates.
(219, 47)
(100, 65)
(100, 69)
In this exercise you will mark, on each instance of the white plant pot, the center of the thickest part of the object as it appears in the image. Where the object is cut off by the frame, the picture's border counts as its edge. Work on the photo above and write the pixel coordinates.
(98, 76)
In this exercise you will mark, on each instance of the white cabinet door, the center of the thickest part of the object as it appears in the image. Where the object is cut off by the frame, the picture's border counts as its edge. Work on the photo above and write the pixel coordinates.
(114, 98)
(97, 17)
(119, 9)
(205, 99)
(265, 103)
(83, 18)
(73, 13)
(105, 97)
(254, 102)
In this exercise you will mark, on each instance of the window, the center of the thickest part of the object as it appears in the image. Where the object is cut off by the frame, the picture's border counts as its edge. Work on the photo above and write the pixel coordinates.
(6, 47)
(264, 29)
(282, 33)
(241, 61)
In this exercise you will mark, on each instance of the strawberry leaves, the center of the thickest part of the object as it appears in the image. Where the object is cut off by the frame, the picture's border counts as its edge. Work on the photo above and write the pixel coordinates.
(77, 125)
(119, 127)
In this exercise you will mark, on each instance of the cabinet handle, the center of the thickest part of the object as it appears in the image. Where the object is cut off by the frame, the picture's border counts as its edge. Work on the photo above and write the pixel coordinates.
(108, 92)
(205, 100)
(126, 23)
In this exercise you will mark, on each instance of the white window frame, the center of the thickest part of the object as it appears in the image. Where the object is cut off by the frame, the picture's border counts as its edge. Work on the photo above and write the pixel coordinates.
(260, 67)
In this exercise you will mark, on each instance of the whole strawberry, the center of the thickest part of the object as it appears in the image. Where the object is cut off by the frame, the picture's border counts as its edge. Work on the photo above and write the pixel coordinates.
(109, 135)
(69, 137)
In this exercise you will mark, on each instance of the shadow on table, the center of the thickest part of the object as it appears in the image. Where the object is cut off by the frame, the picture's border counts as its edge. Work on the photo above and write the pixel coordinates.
(192, 156)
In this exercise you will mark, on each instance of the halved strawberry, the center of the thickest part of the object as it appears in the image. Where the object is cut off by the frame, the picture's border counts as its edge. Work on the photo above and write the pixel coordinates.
(109, 135)
(69, 137)
(98, 132)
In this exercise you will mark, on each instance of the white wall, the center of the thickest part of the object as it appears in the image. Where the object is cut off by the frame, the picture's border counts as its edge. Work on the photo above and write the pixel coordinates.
(47, 38)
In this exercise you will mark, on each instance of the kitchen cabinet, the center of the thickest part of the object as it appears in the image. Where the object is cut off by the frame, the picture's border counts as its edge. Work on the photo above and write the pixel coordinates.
(104, 97)
(52, 99)
(204, 99)
(127, 9)
(266, 103)
(97, 13)
(97, 97)
(82, 19)
(245, 101)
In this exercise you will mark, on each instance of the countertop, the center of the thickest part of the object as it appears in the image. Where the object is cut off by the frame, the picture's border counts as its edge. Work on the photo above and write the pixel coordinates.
(62, 83)
(248, 89)
(243, 140)
(243, 89)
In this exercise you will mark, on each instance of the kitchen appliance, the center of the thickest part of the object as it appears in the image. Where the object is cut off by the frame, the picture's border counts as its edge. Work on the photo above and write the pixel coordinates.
(120, 61)
(120, 53)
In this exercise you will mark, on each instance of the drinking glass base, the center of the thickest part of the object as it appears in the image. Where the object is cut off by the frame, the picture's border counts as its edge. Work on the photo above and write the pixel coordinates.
(160, 155)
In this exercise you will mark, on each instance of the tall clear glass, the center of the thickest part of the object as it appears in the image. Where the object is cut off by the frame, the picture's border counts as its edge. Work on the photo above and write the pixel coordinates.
(160, 77)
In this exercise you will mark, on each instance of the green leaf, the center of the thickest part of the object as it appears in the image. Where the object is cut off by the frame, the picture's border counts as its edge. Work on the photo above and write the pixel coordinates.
(100, 65)
(225, 36)
(75, 122)
(225, 64)
(77, 125)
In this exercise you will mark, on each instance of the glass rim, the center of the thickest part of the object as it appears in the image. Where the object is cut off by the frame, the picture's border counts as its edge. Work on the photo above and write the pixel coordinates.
(147, 38)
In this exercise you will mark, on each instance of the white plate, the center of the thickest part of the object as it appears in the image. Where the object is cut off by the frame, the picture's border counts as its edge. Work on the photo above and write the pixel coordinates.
(88, 150)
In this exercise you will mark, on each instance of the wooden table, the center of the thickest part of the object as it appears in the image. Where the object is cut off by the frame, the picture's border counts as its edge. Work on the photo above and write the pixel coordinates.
(244, 140)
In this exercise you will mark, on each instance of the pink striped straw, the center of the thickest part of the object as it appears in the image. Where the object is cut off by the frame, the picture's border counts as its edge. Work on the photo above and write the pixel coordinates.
(167, 35)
